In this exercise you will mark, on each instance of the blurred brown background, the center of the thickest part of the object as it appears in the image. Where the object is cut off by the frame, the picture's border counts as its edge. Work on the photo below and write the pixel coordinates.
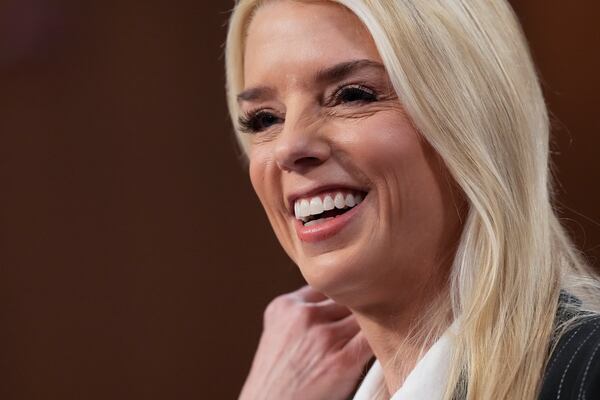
(135, 260)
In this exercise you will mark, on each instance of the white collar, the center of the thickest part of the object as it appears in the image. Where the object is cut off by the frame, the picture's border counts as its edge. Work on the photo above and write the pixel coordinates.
(427, 381)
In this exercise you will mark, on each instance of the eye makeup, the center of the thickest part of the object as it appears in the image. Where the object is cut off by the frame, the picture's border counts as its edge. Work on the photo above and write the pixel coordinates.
(253, 121)
(349, 85)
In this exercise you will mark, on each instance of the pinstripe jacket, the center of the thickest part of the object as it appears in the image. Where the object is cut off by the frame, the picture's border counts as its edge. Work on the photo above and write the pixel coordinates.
(573, 369)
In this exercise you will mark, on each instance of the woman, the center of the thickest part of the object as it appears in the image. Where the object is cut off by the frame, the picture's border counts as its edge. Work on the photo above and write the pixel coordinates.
(400, 151)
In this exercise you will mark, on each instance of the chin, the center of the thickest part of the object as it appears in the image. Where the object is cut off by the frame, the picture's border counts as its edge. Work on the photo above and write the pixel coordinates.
(338, 274)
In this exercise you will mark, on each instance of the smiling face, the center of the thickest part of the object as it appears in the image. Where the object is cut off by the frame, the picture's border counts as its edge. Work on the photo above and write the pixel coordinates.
(355, 195)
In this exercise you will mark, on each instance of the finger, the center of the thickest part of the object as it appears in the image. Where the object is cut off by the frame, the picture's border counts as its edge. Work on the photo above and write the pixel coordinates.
(331, 311)
(346, 328)
(309, 295)
(358, 349)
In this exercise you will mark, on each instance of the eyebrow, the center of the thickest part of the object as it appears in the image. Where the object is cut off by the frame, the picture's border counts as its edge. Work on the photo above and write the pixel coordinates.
(334, 73)
(255, 94)
(344, 69)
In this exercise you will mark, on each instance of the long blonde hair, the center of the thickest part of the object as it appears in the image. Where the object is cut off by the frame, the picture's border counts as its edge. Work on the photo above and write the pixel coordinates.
(463, 72)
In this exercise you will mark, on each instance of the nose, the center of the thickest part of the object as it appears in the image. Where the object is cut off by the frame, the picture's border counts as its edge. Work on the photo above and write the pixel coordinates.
(301, 147)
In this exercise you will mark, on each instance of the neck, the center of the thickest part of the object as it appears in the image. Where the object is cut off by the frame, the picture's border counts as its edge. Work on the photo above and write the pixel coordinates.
(399, 333)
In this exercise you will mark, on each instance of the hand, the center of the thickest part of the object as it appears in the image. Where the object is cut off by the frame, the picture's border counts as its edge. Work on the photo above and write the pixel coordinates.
(311, 348)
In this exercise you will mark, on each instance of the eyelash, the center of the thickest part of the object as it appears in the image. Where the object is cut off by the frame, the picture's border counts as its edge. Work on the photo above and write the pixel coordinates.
(248, 121)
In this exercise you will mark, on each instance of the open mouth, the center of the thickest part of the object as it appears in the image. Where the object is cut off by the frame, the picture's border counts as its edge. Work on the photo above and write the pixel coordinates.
(326, 206)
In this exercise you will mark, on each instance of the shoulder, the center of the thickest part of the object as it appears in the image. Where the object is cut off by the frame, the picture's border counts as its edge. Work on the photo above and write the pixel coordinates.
(573, 369)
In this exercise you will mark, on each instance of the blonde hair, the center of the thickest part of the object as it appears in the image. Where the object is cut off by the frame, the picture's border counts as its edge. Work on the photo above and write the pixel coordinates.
(463, 72)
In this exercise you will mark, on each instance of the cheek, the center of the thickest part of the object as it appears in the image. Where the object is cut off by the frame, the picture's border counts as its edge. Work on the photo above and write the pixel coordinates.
(266, 181)
(259, 166)
(262, 170)
(385, 145)
(256, 177)
(401, 166)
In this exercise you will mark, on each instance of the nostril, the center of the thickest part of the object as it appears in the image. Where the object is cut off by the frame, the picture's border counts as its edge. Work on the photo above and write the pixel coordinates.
(301, 152)
(308, 161)
(303, 164)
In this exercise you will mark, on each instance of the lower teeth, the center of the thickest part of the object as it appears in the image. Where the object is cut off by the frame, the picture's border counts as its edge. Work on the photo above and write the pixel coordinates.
(317, 221)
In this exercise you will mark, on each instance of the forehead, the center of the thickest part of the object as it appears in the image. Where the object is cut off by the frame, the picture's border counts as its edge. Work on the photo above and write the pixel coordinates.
(291, 39)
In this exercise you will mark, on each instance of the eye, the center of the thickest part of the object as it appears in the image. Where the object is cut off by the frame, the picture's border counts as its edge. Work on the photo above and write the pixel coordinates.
(257, 121)
(354, 93)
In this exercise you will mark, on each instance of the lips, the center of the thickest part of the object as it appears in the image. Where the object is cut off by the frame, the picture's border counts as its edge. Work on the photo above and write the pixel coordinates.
(320, 214)
(311, 209)
(325, 228)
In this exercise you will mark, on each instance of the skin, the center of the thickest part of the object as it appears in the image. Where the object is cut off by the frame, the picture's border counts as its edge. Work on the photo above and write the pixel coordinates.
(392, 260)
(311, 348)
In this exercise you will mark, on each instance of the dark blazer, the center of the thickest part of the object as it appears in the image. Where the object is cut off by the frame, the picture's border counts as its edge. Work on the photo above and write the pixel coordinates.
(573, 370)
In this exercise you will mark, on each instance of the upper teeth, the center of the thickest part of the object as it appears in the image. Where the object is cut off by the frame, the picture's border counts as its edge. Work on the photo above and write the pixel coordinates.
(306, 207)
